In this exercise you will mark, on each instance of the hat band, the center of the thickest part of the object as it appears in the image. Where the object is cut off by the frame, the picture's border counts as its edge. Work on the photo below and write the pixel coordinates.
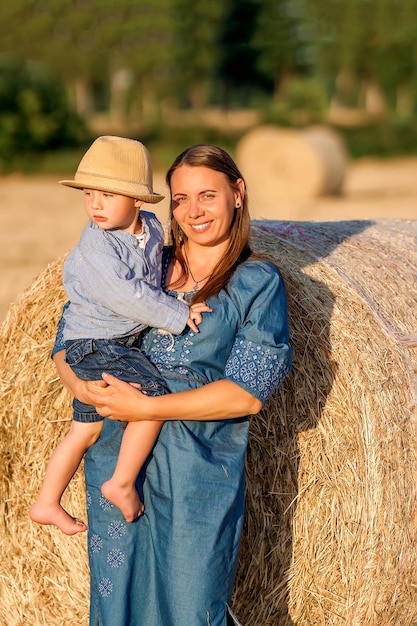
(90, 175)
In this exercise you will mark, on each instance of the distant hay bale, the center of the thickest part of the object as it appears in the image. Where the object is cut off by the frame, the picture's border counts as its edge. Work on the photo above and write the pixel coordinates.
(287, 165)
(330, 524)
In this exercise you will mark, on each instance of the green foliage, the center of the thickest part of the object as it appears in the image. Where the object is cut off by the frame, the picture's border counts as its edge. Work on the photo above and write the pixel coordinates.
(196, 51)
(238, 69)
(135, 61)
(283, 39)
(34, 114)
(387, 139)
(305, 102)
(366, 40)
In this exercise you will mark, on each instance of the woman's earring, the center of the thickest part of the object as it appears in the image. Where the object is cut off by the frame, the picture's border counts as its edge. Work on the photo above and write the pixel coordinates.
(238, 205)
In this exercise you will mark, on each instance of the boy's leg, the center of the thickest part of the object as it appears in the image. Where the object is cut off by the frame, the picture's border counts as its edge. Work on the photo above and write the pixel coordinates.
(137, 443)
(61, 468)
(124, 360)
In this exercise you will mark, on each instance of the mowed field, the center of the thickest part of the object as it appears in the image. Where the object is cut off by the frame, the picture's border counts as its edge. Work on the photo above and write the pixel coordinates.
(41, 220)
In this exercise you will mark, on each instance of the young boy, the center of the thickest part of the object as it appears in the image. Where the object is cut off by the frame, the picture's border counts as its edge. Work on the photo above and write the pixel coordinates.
(112, 278)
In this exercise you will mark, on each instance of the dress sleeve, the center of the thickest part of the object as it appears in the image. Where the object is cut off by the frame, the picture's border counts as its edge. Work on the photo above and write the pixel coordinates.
(261, 355)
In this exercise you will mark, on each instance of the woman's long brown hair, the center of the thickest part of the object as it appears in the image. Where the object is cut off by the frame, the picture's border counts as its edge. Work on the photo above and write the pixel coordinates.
(215, 158)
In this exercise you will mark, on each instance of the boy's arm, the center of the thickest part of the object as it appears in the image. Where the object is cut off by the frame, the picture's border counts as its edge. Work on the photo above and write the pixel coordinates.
(113, 285)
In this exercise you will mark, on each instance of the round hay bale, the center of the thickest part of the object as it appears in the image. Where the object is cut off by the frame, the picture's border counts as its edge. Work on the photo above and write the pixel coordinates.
(287, 166)
(44, 577)
(329, 534)
(328, 144)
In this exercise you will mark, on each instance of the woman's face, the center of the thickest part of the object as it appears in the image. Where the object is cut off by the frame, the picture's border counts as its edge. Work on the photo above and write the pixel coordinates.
(203, 203)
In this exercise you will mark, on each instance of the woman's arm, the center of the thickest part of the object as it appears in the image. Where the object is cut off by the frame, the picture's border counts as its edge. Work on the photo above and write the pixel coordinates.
(222, 399)
(76, 386)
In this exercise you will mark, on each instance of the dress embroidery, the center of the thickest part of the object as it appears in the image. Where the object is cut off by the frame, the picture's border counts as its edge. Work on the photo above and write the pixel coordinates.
(105, 504)
(116, 529)
(166, 352)
(259, 368)
(96, 543)
(115, 558)
(105, 587)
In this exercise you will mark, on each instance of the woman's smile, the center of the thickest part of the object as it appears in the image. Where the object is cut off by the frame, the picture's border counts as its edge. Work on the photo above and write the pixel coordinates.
(201, 227)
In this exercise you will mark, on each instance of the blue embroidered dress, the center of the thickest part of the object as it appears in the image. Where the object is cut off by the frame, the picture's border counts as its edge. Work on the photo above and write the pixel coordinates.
(175, 566)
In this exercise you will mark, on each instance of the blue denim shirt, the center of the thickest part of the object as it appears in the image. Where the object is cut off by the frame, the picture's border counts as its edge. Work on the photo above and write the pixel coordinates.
(114, 285)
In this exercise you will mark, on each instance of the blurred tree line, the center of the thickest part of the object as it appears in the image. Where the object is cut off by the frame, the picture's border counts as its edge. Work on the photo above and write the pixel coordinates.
(63, 62)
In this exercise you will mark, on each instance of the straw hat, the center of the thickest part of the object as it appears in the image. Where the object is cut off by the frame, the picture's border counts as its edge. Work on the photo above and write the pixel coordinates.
(117, 165)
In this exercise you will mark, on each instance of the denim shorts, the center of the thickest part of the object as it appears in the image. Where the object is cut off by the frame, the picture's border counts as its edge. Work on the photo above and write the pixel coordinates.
(89, 358)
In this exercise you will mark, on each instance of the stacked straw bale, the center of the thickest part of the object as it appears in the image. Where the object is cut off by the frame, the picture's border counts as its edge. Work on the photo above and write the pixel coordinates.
(330, 524)
(283, 165)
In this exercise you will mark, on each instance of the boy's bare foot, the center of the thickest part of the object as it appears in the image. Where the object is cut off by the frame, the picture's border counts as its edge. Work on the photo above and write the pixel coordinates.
(125, 497)
(58, 516)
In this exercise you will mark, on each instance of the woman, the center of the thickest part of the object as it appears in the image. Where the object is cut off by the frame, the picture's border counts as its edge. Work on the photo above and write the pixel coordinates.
(176, 564)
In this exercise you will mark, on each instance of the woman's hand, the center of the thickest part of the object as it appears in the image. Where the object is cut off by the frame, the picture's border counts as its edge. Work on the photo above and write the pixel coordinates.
(82, 389)
(117, 400)
(77, 387)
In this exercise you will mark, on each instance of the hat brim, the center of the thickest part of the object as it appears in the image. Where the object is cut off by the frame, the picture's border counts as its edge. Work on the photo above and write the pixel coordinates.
(122, 188)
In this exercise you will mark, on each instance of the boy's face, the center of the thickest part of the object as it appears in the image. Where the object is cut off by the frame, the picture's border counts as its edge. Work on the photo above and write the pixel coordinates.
(110, 210)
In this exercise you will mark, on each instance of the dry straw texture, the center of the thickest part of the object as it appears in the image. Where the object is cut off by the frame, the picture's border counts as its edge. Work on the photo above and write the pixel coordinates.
(329, 534)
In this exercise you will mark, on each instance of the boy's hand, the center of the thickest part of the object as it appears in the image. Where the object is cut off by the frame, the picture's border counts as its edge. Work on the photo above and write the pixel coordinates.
(196, 316)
